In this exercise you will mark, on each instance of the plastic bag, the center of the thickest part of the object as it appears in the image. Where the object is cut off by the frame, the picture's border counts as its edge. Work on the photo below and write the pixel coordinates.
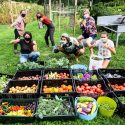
(95, 62)
(40, 25)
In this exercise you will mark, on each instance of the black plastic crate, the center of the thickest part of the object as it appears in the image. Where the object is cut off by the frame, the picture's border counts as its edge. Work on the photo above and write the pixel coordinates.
(112, 73)
(20, 102)
(57, 83)
(71, 102)
(117, 82)
(93, 92)
(94, 75)
(47, 71)
(120, 105)
(5, 93)
(24, 74)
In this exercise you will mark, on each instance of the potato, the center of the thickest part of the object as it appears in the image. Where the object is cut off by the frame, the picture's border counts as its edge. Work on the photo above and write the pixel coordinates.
(10, 91)
(26, 87)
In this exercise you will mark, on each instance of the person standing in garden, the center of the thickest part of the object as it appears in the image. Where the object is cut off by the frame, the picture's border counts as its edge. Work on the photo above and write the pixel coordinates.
(105, 48)
(19, 26)
(44, 20)
(28, 48)
(89, 29)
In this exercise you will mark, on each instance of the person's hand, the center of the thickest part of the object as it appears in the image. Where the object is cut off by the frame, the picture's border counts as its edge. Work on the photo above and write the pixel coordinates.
(92, 45)
(106, 45)
(76, 43)
(84, 23)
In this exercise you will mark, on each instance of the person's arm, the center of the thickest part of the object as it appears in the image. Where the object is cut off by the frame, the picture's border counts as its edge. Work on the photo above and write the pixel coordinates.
(92, 46)
(41, 19)
(14, 23)
(111, 48)
(76, 42)
(17, 21)
(82, 25)
(34, 46)
(15, 41)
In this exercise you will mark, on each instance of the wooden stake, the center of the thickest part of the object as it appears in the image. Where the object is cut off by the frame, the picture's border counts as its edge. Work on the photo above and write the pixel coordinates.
(10, 12)
(74, 28)
(50, 10)
(59, 13)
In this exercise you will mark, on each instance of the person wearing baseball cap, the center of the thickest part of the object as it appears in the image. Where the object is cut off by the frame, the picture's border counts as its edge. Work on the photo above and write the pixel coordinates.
(70, 45)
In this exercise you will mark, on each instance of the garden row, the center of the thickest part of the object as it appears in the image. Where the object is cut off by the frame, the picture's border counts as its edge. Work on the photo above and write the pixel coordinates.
(52, 93)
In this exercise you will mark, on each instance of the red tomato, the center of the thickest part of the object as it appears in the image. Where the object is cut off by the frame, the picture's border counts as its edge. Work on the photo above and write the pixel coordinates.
(91, 92)
(124, 84)
(83, 89)
(98, 90)
(85, 84)
(121, 87)
(102, 93)
(82, 86)
(88, 88)
(79, 90)
(85, 93)
(94, 87)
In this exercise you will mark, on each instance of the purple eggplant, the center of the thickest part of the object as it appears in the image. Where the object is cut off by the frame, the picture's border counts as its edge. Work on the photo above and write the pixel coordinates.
(87, 110)
(89, 105)
(83, 113)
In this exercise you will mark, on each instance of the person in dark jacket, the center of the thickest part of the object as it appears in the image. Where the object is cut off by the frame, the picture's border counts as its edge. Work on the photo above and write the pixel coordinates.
(28, 48)
(44, 20)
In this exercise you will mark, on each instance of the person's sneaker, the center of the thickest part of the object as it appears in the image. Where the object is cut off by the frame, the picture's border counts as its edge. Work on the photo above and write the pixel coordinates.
(47, 46)
(53, 48)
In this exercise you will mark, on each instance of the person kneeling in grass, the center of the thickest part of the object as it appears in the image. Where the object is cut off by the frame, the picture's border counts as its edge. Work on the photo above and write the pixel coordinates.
(105, 48)
(70, 45)
(28, 48)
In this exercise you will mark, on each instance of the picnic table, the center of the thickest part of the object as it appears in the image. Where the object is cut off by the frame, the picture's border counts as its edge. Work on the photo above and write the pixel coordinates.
(114, 23)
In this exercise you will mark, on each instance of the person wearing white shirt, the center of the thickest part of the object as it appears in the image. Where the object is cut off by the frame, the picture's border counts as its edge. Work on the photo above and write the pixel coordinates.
(105, 49)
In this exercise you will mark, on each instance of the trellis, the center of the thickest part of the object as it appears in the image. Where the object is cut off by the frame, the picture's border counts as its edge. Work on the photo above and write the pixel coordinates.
(59, 9)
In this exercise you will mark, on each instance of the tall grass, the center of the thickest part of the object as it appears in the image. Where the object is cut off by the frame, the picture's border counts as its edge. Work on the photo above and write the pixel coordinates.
(5, 17)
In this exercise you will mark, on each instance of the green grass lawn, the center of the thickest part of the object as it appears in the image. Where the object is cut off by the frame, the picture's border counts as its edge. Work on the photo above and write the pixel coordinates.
(9, 61)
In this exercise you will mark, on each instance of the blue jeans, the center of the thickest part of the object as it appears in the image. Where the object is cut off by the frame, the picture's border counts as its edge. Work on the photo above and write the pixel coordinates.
(31, 56)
